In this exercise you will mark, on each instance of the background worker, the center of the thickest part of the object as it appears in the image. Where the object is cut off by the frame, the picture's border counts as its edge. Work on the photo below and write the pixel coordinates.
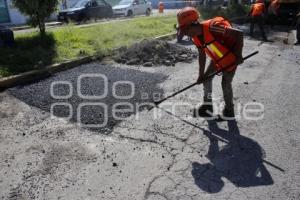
(273, 12)
(298, 28)
(257, 12)
(223, 44)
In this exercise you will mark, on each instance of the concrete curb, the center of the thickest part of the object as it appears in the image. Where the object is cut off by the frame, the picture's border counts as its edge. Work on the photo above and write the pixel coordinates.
(40, 74)
(20, 28)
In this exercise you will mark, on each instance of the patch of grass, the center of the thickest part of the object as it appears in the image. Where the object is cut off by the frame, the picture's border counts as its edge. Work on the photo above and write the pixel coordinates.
(70, 42)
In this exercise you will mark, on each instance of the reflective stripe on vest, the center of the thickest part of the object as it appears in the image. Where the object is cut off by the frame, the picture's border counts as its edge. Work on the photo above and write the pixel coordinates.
(214, 49)
(220, 55)
(257, 9)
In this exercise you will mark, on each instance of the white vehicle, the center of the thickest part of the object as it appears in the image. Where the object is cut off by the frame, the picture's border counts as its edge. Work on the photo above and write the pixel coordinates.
(132, 7)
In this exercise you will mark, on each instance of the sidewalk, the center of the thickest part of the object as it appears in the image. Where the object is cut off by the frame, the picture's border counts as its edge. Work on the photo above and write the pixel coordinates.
(26, 27)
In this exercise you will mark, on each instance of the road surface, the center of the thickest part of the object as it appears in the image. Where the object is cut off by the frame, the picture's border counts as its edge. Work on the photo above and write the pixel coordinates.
(162, 158)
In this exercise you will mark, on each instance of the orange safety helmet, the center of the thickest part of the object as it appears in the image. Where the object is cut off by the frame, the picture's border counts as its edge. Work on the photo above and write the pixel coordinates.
(187, 16)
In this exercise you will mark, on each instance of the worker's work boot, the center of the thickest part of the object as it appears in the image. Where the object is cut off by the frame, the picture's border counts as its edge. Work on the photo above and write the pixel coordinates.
(206, 111)
(228, 114)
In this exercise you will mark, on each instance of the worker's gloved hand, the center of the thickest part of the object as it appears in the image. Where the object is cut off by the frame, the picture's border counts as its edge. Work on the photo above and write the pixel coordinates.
(200, 79)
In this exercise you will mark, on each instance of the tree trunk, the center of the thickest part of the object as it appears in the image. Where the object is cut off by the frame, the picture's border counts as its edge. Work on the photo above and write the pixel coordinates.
(42, 27)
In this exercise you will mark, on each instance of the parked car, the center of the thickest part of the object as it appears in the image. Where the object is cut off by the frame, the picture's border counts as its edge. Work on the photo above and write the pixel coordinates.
(6, 37)
(86, 9)
(132, 7)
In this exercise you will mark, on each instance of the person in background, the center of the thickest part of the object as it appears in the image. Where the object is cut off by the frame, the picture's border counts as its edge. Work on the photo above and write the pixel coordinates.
(298, 28)
(273, 11)
(256, 14)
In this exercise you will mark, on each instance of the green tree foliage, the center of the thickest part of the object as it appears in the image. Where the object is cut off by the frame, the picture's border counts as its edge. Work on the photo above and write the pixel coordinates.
(234, 11)
(37, 10)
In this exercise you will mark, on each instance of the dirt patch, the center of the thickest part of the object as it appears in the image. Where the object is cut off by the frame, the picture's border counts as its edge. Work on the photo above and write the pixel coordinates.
(154, 52)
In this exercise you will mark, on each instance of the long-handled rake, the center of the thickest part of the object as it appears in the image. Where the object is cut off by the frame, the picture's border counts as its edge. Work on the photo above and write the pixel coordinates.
(197, 83)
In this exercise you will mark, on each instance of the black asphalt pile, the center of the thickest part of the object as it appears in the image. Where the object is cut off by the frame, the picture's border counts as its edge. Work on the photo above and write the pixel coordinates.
(84, 105)
(154, 52)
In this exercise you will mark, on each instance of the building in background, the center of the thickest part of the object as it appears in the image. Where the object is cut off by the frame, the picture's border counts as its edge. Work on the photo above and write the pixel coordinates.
(4, 16)
(4, 12)
(10, 15)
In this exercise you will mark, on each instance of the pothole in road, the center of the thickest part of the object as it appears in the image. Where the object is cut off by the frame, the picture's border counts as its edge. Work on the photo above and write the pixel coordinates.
(95, 96)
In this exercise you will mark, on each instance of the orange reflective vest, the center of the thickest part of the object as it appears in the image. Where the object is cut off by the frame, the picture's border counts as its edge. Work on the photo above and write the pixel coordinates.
(274, 7)
(222, 57)
(258, 9)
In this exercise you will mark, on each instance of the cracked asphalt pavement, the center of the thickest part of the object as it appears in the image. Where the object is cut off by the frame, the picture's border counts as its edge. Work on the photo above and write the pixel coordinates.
(154, 157)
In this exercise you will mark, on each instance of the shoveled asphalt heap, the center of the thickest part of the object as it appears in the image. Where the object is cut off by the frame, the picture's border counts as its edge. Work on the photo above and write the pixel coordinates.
(93, 79)
(154, 52)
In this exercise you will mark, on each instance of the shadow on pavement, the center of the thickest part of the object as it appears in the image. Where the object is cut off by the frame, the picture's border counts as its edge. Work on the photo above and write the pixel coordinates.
(97, 114)
(240, 161)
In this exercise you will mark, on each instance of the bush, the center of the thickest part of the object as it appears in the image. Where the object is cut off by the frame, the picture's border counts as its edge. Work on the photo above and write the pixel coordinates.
(234, 12)
(237, 10)
(208, 12)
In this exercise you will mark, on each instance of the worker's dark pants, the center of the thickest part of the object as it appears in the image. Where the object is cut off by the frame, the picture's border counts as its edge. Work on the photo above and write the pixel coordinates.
(272, 19)
(259, 20)
(226, 87)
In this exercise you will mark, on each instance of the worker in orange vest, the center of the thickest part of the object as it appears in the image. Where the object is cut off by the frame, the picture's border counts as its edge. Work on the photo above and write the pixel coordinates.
(274, 7)
(256, 14)
(223, 44)
(273, 11)
(160, 7)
